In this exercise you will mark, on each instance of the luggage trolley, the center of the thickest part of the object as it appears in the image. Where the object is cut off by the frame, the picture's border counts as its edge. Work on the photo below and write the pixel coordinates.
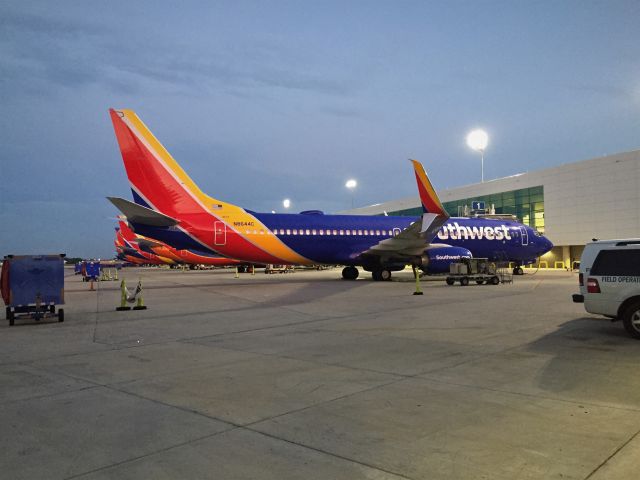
(32, 286)
(479, 270)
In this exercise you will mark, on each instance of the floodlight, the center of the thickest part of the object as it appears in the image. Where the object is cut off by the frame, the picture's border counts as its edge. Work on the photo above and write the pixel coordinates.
(478, 140)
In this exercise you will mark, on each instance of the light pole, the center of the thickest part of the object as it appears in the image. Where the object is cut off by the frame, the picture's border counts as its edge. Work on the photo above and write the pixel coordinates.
(478, 141)
(351, 185)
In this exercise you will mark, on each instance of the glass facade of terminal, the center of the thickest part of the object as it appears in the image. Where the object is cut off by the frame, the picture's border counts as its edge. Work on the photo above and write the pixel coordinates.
(527, 204)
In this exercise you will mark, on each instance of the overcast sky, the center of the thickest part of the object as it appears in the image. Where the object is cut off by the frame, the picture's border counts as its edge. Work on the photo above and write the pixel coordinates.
(264, 100)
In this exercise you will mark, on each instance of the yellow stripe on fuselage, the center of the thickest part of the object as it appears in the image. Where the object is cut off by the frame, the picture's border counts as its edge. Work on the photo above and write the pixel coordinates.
(226, 212)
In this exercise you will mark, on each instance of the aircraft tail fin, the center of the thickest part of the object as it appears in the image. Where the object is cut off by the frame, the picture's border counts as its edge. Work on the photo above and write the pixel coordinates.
(157, 181)
(428, 196)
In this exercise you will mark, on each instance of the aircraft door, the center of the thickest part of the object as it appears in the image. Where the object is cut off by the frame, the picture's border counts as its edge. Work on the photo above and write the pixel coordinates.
(524, 235)
(396, 231)
(219, 233)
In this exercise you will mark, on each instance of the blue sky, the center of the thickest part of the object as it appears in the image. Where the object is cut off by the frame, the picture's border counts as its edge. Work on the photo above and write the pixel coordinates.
(265, 100)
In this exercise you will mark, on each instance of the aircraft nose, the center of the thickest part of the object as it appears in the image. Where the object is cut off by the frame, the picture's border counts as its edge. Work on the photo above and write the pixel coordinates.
(546, 245)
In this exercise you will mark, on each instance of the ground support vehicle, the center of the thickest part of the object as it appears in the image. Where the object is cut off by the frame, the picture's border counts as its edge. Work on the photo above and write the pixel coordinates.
(478, 270)
(270, 268)
(609, 281)
(32, 286)
(90, 271)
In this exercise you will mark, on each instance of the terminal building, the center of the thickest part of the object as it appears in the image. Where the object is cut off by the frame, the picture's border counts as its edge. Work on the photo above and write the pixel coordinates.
(570, 204)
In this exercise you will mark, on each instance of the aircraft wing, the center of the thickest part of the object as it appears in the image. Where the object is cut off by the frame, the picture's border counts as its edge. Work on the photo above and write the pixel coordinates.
(415, 239)
(410, 242)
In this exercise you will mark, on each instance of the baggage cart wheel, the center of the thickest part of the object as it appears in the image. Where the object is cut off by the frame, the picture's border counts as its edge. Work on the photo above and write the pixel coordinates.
(464, 281)
(61, 315)
(495, 280)
(450, 281)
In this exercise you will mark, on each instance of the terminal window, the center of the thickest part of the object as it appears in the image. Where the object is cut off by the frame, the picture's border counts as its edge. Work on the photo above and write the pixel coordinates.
(527, 204)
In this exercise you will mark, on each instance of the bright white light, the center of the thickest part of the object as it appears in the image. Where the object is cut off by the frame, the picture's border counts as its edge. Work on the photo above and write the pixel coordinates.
(286, 203)
(351, 183)
(478, 140)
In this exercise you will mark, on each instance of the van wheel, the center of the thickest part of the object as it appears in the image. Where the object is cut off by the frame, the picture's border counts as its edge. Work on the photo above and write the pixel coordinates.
(631, 319)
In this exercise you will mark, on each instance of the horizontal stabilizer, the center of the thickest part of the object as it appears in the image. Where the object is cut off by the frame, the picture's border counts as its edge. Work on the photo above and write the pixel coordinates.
(142, 215)
(147, 243)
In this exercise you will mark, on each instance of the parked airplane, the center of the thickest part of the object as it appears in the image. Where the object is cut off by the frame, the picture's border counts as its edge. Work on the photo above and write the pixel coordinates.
(129, 251)
(166, 252)
(126, 253)
(170, 207)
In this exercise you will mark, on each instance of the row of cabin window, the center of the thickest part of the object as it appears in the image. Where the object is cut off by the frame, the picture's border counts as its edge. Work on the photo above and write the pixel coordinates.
(289, 231)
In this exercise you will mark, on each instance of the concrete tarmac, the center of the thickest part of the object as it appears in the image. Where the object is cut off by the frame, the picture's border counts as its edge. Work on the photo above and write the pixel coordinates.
(307, 376)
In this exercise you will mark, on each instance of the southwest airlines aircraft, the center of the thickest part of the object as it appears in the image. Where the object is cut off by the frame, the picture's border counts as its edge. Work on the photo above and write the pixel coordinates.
(130, 252)
(170, 207)
(169, 255)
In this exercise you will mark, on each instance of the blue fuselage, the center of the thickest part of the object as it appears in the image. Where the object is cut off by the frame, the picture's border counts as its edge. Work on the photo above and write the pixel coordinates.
(341, 239)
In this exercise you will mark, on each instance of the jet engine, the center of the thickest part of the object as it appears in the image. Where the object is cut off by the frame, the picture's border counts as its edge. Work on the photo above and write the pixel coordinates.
(437, 258)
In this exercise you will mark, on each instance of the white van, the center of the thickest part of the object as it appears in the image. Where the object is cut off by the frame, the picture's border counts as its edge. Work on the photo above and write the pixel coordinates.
(610, 281)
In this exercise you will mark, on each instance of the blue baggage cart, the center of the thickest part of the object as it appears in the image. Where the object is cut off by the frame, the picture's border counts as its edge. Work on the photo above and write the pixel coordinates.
(90, 271)
(32, 286)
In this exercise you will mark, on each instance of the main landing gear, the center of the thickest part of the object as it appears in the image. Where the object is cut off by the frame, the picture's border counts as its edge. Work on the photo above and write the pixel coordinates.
(381, 275)
(350, 273)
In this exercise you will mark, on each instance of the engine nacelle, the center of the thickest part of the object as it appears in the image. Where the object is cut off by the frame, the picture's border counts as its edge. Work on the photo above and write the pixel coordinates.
(438, 258)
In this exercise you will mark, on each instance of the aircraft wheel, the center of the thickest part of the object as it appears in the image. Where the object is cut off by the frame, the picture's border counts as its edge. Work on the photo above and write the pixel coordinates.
(376, 275)
(10, 316)
(450, 281)
(494, 280)
(61, 315)
(385, 275)
(350, 273)
(518, 271)
(464, 281)
(631, 319)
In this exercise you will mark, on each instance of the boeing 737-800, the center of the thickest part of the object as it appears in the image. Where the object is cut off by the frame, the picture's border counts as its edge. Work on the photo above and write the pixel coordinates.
(170, 207)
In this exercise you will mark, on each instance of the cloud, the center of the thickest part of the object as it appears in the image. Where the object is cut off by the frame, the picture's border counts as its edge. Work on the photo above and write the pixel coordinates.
(41, 53)
(611, 91)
